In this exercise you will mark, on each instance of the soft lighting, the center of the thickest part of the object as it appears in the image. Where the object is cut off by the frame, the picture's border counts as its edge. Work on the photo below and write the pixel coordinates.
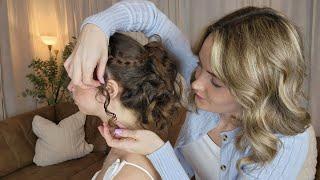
(49, 40)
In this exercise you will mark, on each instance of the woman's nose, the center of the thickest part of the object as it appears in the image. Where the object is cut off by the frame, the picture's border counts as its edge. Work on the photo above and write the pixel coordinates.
(199, 83)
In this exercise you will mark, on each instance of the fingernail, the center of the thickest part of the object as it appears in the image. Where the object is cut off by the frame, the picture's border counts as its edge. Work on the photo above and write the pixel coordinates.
(118, 131)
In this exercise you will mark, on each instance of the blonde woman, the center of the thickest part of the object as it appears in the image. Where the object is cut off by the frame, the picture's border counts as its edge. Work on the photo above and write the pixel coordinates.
(246, 87)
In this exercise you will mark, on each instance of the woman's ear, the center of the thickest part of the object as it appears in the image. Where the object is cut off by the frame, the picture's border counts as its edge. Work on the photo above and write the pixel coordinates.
(112, 88)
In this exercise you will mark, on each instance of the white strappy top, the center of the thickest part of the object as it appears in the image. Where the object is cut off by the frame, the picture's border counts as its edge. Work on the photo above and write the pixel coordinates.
(116, 167)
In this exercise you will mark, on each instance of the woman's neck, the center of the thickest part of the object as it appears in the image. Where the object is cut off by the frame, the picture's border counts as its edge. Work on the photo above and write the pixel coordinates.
(228, 122)
(125, 118)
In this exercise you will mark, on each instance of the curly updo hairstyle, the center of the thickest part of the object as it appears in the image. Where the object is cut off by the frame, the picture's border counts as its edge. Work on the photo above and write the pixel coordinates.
(149, 81)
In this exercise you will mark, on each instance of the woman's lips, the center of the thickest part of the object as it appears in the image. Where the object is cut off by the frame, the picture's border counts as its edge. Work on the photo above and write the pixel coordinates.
(199, 97)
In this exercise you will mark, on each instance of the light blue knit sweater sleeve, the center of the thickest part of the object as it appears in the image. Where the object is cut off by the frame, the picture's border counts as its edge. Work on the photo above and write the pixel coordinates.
(143, 16)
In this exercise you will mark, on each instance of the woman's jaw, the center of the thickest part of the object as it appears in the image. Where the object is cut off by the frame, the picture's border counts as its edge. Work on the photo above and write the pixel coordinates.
(125, 118)
(89, 103)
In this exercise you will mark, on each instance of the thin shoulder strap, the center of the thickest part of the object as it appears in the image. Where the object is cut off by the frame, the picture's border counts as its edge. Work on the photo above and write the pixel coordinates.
(124, 162)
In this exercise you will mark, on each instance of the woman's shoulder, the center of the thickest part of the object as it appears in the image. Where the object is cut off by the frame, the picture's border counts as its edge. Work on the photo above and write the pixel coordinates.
(296, 147)
(299, 139)
(136, 167)
(300, 146)
(292, 156)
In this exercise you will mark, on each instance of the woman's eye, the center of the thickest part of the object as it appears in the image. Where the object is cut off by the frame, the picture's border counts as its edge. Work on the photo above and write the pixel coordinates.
(215, 84)
(198, 68)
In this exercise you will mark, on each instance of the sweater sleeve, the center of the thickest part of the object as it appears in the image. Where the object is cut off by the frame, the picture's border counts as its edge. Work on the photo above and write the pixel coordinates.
(174, 156)
(167, 163)
(143, 16)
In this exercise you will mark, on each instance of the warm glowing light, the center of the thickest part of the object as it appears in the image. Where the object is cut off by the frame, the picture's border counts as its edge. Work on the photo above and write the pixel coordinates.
(49, 40)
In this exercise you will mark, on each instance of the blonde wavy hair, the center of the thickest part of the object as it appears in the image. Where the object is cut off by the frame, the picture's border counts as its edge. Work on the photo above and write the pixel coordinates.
(257, 53)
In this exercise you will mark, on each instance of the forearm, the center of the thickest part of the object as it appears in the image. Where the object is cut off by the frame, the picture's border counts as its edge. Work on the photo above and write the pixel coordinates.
(167, 164)
(133, 15)
(143, 16)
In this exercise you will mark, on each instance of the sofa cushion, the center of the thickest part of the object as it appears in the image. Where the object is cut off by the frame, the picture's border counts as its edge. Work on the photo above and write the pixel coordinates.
(17, 140)
(63, 110)
(93, 136)
(79, 169)
(58, 143)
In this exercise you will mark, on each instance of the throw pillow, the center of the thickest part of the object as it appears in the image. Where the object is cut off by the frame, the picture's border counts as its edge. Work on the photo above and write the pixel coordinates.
(60, 142)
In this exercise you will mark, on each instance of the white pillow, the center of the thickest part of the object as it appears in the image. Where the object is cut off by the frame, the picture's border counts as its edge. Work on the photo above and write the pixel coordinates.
(62, 142)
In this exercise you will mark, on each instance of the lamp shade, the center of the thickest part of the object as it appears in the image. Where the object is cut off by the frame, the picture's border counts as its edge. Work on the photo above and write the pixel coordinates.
(49, 40)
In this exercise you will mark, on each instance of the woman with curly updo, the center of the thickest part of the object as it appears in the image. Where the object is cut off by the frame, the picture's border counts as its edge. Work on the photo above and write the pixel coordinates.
(141, 92)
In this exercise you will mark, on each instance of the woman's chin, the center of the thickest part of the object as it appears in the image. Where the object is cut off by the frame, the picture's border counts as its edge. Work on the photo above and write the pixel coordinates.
(201, 104)
(198, 102)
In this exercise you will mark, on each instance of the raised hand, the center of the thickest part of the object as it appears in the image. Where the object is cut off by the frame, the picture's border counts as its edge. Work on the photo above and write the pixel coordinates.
(90, 51)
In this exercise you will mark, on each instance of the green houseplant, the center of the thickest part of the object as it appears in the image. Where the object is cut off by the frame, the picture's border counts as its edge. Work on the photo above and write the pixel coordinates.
(49, 79)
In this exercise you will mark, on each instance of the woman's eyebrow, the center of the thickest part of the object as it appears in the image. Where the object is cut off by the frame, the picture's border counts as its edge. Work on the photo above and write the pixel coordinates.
(212, 74)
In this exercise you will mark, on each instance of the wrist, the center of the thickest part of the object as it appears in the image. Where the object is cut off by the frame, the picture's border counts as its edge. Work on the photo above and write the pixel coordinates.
(160, 143)
(92, 28)
(94, 32)
(111, 20)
